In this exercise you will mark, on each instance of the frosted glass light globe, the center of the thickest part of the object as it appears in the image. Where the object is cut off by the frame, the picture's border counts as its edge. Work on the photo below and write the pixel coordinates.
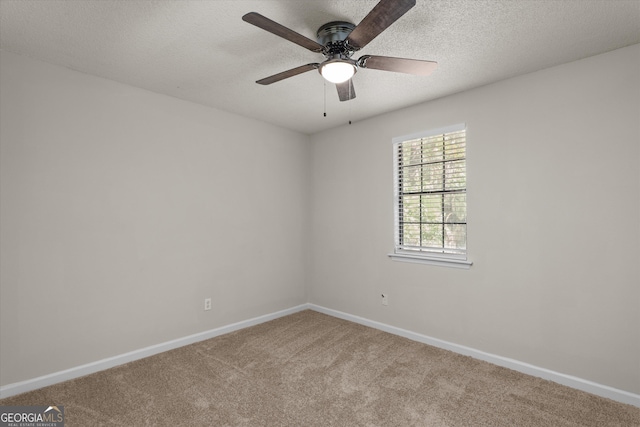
(338, 71)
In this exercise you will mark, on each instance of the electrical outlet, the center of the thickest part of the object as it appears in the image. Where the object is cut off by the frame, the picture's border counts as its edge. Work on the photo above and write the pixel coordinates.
(207, 303)
(385, 299)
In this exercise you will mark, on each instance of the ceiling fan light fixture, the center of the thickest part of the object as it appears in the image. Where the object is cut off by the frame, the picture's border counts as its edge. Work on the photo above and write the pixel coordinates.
(337, 41)
(337, 71)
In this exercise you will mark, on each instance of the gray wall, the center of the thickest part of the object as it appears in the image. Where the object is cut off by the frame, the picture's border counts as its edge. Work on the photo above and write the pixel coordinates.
(121, 210)
(554, 221)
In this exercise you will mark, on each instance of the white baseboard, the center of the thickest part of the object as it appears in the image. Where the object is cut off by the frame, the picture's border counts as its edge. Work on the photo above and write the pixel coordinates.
(100, 365)
(90, 368)
(567, 380)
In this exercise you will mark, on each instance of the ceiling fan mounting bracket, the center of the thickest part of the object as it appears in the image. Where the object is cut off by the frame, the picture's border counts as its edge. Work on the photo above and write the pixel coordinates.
(335, 31)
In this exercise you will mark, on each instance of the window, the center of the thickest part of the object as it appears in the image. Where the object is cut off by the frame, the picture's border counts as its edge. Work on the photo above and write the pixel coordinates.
(430, 199)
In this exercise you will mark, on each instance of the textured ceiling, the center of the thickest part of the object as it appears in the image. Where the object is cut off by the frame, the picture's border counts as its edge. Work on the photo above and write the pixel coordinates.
(203, 52)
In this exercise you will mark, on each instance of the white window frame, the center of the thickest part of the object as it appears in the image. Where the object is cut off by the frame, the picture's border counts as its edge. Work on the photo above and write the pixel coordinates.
(458, 260)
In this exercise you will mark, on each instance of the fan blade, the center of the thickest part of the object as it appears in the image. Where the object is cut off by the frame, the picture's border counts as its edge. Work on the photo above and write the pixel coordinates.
(398, 65)
(379, 19)
(346, 90)
(286, 74)
(282, 31)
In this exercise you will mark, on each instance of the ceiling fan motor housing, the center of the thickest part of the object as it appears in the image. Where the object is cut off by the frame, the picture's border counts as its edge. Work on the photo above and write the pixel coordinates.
(333, 32)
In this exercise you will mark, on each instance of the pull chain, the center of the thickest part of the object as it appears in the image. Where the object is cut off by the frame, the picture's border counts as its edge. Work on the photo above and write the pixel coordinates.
(325, 97)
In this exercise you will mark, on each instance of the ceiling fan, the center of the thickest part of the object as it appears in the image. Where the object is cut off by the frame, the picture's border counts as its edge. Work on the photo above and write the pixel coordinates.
(338, 40)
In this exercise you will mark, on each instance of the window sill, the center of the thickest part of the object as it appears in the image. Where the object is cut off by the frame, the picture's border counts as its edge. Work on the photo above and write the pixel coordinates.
(429, 260)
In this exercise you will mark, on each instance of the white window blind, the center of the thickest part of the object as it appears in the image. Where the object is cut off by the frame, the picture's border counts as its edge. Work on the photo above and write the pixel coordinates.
(431, 193)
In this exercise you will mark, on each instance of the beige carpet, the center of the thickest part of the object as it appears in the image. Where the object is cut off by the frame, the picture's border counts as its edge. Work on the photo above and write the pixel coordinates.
(309, 369)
